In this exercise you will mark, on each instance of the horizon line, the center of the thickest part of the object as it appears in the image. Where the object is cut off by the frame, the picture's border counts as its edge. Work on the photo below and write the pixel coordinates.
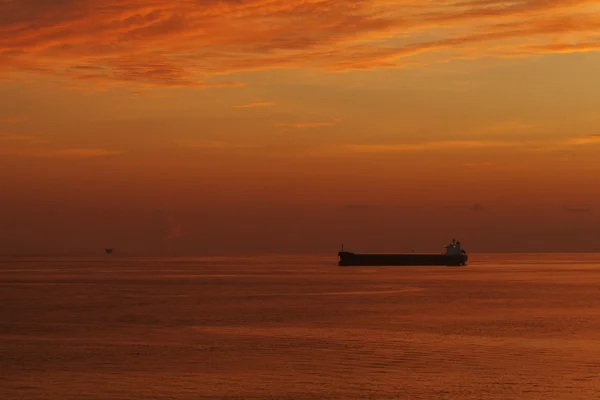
(265, 253)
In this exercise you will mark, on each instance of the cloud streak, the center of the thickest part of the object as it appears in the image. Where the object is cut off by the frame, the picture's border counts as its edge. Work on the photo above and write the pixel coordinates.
(300, 125)
(425, 146)
(457, 145)
(214, 144)
(505, 127)
(578, 209)
(588, 139)
(12, 120)
(254, 104)
(22, 139)
(191, 43)
(73, 153)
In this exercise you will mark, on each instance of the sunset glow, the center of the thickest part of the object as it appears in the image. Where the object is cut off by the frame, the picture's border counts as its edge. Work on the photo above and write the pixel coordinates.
(202, 127)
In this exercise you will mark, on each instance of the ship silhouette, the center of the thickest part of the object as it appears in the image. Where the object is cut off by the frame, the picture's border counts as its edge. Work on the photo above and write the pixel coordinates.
(453, 255)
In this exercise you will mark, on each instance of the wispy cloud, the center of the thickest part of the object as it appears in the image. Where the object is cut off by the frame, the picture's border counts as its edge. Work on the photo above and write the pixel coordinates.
(62, 153)
(19, 138)
(587, 139)
(578, 209)
(183, 43)
(83, 153)
(507, 127)
(12, 120)
(424, 146)
(300, 125)
(477, 164)
(214, 144)
(254, 104)
(525, 144)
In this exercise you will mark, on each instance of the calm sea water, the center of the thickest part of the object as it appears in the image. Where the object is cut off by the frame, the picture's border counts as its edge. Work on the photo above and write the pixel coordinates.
(299, 327)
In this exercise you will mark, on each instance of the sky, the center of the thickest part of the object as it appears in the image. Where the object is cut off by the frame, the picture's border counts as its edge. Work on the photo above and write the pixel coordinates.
(196, 127)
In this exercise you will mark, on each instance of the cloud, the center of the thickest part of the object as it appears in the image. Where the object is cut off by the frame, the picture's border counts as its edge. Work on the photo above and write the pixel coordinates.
(477, 164)
(214, 144)
(84, 153)
(254, 104)
(425, 146)
(578, 209)
(17, 137)
(525, 144)
(190, 43)
(587, 139)
(12, 120)
(62, 153)
(23, 139)
(504, 127)
(300, 125)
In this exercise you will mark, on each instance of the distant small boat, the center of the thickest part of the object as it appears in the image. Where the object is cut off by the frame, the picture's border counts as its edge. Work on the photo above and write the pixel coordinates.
(108, 251)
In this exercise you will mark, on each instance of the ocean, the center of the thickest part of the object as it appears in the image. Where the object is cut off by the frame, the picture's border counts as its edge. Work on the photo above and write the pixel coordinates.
(508, 326)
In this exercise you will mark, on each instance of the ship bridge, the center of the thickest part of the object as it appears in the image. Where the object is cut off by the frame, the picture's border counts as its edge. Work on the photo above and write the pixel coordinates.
(453, 249)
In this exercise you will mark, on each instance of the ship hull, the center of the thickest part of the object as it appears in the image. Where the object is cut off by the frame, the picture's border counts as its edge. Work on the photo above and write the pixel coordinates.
(348, 259)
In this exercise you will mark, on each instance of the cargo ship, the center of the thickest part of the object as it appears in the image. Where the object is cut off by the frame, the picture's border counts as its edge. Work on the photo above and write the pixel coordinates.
(453, 255)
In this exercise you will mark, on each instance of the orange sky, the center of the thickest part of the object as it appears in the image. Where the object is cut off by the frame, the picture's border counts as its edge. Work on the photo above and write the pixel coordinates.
(202, 127)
